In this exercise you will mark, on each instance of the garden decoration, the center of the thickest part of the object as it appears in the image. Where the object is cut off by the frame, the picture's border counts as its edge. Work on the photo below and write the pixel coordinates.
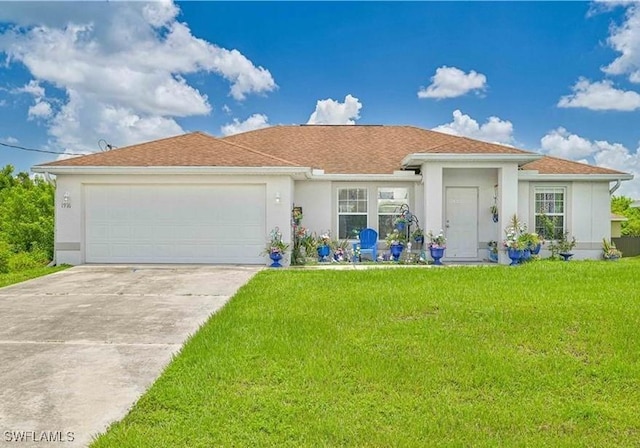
(437, 245)
(609, 250)
(565, 246)
(275, 248)
(396, 240)
(324, 248)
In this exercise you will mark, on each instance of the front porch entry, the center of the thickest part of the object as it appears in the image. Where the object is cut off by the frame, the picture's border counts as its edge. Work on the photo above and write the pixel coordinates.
(461, 222)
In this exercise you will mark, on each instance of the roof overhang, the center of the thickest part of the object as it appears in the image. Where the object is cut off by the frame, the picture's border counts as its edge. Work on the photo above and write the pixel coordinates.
(301, 172)
(417, 159)
(398, 176)
(535, 175)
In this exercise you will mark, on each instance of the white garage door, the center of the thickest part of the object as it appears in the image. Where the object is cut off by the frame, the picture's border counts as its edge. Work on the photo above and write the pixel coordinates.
(174, 223)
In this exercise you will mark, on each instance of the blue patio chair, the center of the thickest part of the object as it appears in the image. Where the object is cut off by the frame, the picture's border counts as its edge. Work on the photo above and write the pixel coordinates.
(369, 243)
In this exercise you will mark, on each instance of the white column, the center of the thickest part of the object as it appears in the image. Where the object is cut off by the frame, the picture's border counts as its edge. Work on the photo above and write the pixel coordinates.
(433, 197)
(508, 194)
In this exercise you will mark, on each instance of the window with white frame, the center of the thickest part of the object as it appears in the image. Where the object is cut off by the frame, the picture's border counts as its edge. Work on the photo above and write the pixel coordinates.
(390, 200)
(550, 209)
(352, 212)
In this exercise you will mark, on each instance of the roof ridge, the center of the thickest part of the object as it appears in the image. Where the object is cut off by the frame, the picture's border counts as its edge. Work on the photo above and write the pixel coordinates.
(255, 151)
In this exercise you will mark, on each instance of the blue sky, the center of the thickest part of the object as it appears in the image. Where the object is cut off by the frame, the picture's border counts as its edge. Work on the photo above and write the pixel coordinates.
(561, 78)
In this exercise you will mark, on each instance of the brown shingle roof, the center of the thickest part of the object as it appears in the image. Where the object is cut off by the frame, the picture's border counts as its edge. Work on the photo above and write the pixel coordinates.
(353, 149)
(554, 165)
(359, 149)
(194, 149)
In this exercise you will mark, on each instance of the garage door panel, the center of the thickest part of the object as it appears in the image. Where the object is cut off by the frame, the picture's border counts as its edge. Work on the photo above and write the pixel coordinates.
(174, 223)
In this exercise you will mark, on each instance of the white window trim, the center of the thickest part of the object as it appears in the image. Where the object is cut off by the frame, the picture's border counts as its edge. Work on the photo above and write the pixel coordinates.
(339, 214)
(565, 199)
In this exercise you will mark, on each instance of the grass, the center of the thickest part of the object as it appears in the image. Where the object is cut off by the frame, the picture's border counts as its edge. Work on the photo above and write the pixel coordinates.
(546, 354)
(21, 276)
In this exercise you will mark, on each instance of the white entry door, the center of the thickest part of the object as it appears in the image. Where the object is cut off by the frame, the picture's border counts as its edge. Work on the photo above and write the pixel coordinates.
(462, 222)
(174, 223)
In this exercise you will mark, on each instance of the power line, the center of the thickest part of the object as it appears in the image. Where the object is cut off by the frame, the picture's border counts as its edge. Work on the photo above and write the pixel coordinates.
(22, 148)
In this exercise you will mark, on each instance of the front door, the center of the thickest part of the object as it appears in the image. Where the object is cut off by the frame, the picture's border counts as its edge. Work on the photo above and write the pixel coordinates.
(462, 222)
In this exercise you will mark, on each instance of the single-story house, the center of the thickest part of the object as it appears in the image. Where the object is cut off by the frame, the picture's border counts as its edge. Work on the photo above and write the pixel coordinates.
(195, 198)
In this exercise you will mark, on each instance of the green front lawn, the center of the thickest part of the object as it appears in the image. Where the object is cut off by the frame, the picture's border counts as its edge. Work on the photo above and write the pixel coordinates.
(21, 276)
(546, 354)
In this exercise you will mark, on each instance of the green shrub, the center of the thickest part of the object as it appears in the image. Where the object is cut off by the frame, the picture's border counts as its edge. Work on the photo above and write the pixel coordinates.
(23, 261)
(5, 255)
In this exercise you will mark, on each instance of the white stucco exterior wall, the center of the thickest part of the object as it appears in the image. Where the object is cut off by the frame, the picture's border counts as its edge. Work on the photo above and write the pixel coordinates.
(590, 217)
(315, 199)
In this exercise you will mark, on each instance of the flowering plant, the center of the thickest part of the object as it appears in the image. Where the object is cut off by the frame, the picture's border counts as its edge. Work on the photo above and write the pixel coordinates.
(437, 241)
(275, 243)
(515, 233)
(395, 238)
(324, 239)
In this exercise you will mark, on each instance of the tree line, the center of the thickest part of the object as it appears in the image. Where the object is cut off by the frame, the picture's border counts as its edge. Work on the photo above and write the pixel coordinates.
(26, 220)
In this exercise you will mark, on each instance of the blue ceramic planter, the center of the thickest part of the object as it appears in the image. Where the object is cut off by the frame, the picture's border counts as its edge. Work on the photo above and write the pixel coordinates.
(275, 257)
(323, 253)
(515, 256)
(396, 251)
(437, 253)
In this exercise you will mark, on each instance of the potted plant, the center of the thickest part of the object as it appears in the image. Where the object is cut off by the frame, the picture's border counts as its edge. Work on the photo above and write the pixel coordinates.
(323, 246)
(418, 235)
(400, 223)
(514, 242)
(437, 244)
(609, 250)
(493, 251)
(340, 250)
(275, 248)
(395, 240)
(529, 243)
(494, 212)
(565, 245)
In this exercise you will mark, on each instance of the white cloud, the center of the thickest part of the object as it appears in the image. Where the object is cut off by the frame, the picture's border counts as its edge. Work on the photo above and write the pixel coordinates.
(334, 112)
(11, 140)
(41, 109)
(600, 95)
(625, 39)
(562, 143)
(122, 67)
(32, 88)
(255, 121)
(494, 130)
(451, 82)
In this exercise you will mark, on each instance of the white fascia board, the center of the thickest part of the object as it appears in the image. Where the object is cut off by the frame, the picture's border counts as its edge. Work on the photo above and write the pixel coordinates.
(155, 170)
(536, 176)
(420, 158)
(398, 176)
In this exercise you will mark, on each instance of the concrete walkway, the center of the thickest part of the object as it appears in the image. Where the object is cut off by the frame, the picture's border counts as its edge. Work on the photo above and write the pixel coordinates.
(79, 347)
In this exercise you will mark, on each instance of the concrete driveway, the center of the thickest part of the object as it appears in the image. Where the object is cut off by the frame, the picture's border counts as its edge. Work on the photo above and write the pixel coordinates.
(79, 347)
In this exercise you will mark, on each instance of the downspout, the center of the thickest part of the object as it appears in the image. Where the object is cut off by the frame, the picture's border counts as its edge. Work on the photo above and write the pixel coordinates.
(615, 187)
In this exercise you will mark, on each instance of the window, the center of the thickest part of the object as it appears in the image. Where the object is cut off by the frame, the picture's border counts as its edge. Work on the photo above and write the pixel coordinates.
(550, 212)
(352, 212)
(389, 202)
